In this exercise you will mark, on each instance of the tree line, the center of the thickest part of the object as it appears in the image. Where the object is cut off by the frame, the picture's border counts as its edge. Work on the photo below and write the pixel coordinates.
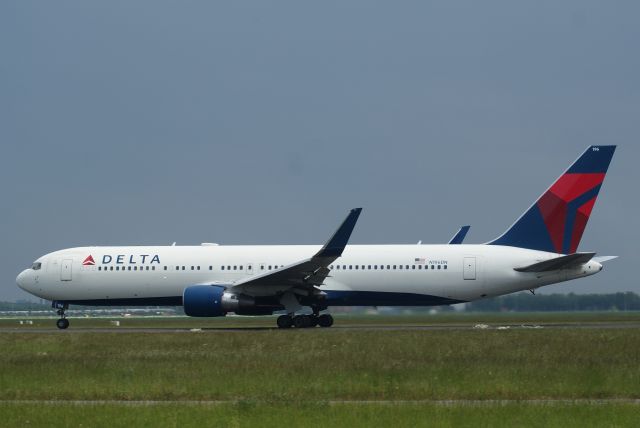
(527, 302)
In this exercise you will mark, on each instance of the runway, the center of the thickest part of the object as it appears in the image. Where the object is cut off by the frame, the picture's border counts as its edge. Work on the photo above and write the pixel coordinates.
(335, 328)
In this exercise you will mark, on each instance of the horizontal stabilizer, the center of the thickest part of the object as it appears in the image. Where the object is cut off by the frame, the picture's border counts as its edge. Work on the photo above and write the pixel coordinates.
(563, 262)
(603, 259)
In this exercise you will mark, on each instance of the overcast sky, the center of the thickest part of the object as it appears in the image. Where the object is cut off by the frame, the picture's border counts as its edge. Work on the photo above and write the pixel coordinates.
(253, 122)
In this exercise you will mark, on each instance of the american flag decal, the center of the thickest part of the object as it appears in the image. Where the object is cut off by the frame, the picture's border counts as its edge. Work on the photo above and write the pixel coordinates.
(419, 261)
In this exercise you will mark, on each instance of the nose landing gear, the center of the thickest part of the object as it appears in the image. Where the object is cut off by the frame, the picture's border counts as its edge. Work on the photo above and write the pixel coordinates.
(61, 307)
(62, 323)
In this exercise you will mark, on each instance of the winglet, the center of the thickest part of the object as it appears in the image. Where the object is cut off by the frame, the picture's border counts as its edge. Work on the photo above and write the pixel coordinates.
(335, 245)
(458, 238)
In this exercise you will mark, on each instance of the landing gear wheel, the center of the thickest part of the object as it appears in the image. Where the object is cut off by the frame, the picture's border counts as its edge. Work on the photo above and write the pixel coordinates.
(313, 321)
(325, 320)
(302, 321)
(284, 321)
(62, 323)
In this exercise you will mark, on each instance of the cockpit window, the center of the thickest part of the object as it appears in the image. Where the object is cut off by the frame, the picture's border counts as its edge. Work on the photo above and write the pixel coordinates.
(36, 266)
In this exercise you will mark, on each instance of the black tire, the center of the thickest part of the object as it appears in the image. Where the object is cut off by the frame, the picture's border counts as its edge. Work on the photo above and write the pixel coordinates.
(62, 323)
(325, 320)
(301, 321)
(284, 321)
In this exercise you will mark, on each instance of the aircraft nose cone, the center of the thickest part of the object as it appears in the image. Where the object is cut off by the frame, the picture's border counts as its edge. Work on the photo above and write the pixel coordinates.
(22, 279)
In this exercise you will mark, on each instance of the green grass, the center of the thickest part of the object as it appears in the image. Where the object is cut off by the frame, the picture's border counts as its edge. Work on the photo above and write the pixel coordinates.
(268, 377)
(313, 365)
(321, 415)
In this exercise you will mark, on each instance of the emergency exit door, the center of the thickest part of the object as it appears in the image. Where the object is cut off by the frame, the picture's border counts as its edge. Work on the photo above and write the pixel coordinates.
(65, 270)
(469, 268)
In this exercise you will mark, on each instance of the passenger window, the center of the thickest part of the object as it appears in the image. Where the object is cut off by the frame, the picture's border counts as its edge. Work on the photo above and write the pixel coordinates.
(433, 267)
(165, 268)
(438, 266)
(99, 267)
(413, 267)
(445, 267)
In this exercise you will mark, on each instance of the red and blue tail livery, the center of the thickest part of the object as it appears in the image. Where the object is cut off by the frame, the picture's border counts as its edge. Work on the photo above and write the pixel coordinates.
(556, 221)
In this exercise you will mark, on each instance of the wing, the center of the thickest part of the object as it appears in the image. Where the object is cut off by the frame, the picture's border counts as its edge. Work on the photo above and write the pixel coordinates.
(458, 238)
(304, 276)
(563, 262)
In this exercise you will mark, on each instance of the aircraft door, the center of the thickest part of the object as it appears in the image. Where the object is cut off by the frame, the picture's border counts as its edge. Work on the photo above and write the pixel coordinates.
(469, 269)
(65, 269)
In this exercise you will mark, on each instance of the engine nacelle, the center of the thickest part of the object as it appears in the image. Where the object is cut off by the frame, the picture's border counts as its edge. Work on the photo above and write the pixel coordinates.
(213, 301)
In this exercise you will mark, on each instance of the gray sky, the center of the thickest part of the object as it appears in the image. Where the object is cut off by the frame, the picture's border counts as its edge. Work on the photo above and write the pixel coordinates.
(240, 122)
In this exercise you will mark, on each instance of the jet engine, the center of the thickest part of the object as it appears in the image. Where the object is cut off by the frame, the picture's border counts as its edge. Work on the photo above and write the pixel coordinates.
(215, 301)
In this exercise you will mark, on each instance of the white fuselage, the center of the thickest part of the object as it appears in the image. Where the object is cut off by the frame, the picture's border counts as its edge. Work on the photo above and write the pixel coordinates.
(395, 274)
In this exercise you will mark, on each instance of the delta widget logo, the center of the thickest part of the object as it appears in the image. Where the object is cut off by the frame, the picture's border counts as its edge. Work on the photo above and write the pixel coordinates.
(89, 261)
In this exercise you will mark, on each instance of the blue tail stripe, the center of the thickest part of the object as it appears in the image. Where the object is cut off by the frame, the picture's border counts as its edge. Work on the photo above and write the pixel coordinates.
(530, 233)
(594, 160)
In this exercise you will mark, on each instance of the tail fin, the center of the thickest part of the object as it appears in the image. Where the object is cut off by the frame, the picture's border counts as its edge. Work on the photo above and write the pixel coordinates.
(556, 221)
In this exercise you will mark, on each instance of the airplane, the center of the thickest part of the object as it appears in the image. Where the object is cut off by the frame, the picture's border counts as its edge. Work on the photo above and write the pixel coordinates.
(212, 280)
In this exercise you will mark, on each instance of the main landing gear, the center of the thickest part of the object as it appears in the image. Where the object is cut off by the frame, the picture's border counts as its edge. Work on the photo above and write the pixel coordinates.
(304, 321)
(61, 307)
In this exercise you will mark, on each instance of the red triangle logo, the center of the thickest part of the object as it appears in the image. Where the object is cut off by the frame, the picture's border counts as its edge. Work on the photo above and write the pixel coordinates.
(89, 261)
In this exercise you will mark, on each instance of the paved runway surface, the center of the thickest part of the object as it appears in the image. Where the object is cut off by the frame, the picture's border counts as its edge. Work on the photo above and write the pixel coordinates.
(499, 327)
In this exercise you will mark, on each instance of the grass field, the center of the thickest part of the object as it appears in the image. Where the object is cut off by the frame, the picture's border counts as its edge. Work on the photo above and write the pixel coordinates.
(331, 377)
